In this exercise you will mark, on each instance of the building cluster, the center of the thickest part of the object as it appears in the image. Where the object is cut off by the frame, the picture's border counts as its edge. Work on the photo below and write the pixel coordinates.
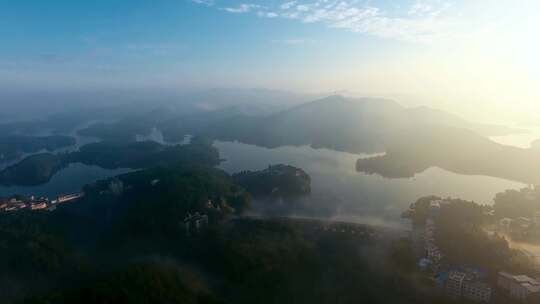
(36, 203)
(463, 283)
(520, 287)
(467, 284)
(432, 253)
(470, 283)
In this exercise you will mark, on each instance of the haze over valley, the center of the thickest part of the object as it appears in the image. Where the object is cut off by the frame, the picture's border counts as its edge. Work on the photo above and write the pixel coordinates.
(306, 151)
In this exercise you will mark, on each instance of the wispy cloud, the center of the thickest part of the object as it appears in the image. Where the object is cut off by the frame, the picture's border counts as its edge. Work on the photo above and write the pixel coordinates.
(203, 2)
(423, 21)
(243, 8)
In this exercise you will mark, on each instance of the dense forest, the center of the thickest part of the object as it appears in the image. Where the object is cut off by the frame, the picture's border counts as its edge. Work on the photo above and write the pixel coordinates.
(38, 169)
(133, 239)
(275, 182)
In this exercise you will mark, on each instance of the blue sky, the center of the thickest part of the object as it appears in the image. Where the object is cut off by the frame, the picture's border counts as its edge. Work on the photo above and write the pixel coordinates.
(174, 38)
(426, 51)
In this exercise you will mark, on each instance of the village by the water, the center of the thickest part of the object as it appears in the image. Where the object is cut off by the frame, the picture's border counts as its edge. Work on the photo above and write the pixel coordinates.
(472, 282)
(37, 203)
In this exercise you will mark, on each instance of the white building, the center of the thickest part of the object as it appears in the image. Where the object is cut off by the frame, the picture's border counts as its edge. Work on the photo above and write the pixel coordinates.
(520, 287)
(476, 291)
(454, 284)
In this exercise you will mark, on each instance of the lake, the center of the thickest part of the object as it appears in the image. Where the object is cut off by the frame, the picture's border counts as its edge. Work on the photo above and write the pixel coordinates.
(520, 140)
(69, 180)
(338, 191)
(72, 178)
(341, 193)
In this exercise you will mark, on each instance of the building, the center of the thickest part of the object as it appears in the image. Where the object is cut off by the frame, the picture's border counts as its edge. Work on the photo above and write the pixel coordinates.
(454, 284)
(39, 206)
(519, 287)
(194, 223)
(466, 283)
(433, 253)
(68, 198)
(14, 200)
(476, 291)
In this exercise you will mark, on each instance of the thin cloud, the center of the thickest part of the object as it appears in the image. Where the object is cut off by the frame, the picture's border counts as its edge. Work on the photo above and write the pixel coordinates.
(242, 8)
(423, 21)
(204, 2)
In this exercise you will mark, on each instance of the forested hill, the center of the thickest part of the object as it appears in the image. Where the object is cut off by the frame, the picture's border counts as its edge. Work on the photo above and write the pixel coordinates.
(119, 220)
(38, 169)
(456, 150)
(358, 125)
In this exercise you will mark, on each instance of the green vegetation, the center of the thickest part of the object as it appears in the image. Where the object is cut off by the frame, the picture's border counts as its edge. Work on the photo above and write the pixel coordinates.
(149, 282)
(517, 203)
(14, 146)
(462, 224)
(144, 154)
(119, 220)
(34, 256)
(38, 169)
(278, 181)
(246, 261)
(33, 170)
(126, 242)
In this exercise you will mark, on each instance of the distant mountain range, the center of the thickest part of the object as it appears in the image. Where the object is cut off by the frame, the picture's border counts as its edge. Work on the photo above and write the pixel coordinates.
(360, 125)
(413, 138)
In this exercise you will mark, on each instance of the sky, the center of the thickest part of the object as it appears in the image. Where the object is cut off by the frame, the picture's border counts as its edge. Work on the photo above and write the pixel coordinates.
(476, 58)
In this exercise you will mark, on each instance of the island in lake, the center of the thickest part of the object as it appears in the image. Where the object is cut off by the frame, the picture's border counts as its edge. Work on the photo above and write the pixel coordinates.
(275, 182)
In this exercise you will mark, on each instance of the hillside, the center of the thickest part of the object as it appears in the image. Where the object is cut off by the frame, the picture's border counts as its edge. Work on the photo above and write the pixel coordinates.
(38, 169)
(359, 125)
(456, 150)
(33, 170)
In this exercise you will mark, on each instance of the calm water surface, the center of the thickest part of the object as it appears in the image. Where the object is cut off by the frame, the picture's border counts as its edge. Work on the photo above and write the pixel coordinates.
(521, 140)
(69, 180)
(339, 192)
(75, 176)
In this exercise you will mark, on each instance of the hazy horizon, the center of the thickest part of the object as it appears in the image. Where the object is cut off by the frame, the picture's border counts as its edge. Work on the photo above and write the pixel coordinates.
(270, 151)
(472, 58)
